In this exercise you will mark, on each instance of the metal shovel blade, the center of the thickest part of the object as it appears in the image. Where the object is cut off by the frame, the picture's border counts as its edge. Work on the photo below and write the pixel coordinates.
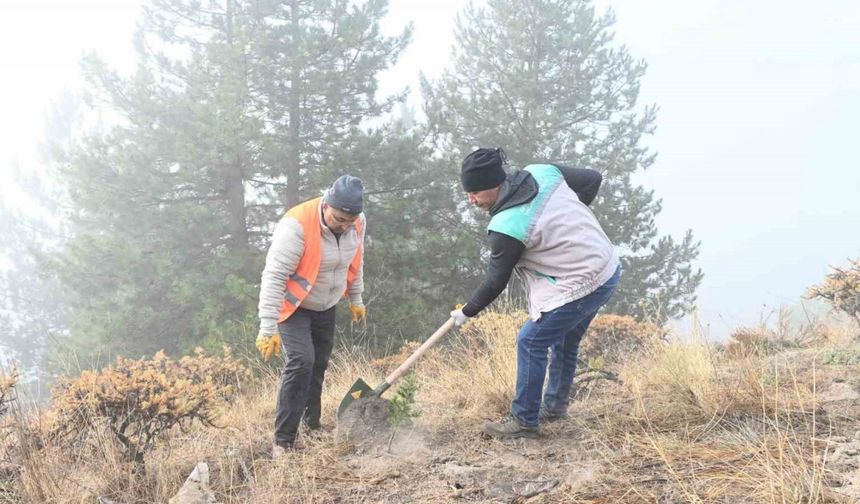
(361, 389)
(358, 390)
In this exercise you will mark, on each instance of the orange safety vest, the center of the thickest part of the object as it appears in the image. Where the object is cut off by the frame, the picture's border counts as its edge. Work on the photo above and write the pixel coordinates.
(299, 284)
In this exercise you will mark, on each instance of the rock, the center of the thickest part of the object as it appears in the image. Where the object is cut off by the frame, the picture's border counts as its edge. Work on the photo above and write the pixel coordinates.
(195, 490)
(9, 472)
(464, 476)
(843, 462)
(848, 485)
(840, 391)
(530, 488)
(503, 483)
(500, 486)
(580, 477)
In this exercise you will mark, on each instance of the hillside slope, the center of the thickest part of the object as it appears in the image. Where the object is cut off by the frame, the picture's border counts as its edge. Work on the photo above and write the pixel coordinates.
(770, 417)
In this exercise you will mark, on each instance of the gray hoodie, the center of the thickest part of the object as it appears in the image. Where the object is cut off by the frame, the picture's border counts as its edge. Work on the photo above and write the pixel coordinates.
(545, 231)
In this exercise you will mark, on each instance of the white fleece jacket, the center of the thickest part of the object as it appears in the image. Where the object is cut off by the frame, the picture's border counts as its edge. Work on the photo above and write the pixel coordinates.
(283, 258)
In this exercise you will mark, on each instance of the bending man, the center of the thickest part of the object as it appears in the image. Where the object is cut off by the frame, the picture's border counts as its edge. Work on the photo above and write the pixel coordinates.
(541, 227)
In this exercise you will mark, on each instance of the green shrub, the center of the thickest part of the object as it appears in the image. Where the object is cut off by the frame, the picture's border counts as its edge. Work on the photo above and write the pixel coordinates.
(841, 356)
(402, 405)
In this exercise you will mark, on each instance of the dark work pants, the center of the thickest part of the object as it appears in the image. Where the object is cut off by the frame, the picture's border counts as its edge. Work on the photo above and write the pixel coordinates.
(306, 339)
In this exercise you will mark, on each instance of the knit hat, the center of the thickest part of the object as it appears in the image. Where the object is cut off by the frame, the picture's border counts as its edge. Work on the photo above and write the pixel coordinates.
(346, 194)
(482, 169)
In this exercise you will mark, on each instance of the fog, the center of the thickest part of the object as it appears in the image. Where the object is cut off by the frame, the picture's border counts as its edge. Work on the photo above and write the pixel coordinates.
(757, 109)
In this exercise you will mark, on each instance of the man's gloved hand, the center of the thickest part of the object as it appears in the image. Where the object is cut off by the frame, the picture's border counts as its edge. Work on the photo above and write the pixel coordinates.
(458, 316)
(357, 312)
(269, 345)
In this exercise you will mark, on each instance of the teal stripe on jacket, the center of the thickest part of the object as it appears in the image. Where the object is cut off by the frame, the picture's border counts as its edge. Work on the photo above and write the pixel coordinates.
(517, 221)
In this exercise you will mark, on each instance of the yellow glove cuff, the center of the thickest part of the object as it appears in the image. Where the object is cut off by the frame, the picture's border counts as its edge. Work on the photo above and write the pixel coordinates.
(357, 312)
(269, 345)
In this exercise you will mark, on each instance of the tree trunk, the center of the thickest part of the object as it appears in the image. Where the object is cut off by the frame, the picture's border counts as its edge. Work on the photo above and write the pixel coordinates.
(234, 191)
(293, 168)
(234, 182)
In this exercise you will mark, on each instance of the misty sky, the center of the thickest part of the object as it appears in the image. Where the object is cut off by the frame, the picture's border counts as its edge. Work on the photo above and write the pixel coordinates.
(755, 133)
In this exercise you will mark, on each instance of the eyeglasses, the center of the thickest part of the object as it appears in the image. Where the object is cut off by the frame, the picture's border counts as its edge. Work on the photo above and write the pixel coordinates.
(340, 219)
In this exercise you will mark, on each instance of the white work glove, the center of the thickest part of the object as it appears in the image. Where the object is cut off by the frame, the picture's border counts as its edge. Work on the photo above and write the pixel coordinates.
(459, 317)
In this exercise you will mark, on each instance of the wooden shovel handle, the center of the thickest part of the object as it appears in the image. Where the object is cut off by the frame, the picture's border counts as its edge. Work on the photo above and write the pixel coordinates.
(401, 370)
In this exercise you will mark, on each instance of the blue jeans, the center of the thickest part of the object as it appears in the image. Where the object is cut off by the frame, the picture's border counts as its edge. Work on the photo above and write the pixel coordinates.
(560, 330)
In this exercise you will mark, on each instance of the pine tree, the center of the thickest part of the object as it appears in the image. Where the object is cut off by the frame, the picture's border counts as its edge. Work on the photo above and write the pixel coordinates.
(33, 311)
(236, 111)
(543, 80)
(417, 250)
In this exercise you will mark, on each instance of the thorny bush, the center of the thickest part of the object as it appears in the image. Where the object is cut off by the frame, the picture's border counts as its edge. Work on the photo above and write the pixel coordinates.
(752, 341)
(139, 400)
(7, 383)
(841, 289)
(617, 337)
(8, 473)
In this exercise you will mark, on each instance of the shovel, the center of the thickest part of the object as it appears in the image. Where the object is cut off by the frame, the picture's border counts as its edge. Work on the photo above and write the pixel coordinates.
(361, 389)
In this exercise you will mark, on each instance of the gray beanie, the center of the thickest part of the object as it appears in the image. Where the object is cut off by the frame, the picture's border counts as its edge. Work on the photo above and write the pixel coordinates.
(346, 194)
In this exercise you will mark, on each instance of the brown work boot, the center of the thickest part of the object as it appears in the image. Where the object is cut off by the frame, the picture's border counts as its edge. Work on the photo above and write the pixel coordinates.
(509, 428)
(547, 416)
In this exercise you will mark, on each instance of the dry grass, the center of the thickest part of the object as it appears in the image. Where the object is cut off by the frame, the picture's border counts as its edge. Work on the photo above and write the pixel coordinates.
(710, 427)
(688, 423)
(473, 376)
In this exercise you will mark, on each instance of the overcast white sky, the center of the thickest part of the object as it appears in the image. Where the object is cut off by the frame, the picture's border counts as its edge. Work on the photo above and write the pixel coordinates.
(758, 108)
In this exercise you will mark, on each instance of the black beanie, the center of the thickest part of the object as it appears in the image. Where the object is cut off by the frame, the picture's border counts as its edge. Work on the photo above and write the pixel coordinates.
(482, 169)
(346, 194)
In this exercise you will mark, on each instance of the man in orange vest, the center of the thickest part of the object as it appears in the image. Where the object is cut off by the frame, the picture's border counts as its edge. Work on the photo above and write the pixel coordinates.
(315, 259)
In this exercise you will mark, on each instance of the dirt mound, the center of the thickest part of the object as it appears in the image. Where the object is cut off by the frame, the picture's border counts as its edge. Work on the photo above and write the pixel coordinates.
(365, 421)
